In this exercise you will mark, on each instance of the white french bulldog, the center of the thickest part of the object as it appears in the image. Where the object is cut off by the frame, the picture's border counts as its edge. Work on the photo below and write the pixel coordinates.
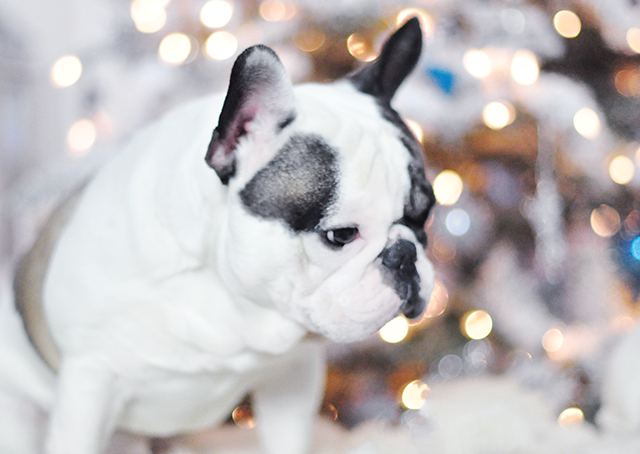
(164, 291)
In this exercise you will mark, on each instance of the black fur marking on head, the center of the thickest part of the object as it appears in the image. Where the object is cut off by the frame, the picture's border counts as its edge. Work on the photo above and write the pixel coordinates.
(297, 186)
(421, 198)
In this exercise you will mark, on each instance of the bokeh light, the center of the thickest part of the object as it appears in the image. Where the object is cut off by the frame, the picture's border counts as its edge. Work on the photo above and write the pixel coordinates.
(605, 221)
(438, 301)
(66, 71)
(174, 48)
(587, 123)
(476, 324)
(477, 63)
(635, 248)
(552, 340)
(426, 21)
(243, 417)
(621, 169)
(447, 187)
(216, 13)
(276, 10)
(221, 45)
(414, 395)
(458, 222)
(512, 20)
(415, 128)
(571, 417)
(360, 47)
(395, 331)
(524, 67)
(81, 136)
(309, 40)
(567, 24)
(148, 17)
(633, 39)
(498, 114)
(628, 82)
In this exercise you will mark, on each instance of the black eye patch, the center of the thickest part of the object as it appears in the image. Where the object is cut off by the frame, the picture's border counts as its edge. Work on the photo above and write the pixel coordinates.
(297, 186)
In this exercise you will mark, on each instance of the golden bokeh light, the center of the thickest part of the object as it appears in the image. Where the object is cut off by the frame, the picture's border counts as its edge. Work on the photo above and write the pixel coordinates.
(498, 114)
(360, 47)
(309, 40)
(621, 169)
(605, 221)
(276, 10)
(243, 417)
(447, 187)
(587, 123)
(221, 45)
(216, 13)
(81, 136)
(628, 82)
(476, 324)
(66, 71)
(148, 17)
(552, 340)
(633, 39)
(571, 417)
(426, 21)
(395, 331)
(567, 24)
(415, 128)
(477, 63)
(174, 48)
(414, 395)
(438, 301)
(524, 67)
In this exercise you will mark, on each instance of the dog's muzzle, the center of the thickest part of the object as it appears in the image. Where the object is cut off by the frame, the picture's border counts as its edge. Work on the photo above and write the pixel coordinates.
(399, 261)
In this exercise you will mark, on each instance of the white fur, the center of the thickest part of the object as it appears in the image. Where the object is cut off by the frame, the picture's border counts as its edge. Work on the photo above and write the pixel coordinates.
(169, 301)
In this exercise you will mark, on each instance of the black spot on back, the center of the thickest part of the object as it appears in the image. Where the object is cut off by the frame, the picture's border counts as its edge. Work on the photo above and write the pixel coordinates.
(297, 186)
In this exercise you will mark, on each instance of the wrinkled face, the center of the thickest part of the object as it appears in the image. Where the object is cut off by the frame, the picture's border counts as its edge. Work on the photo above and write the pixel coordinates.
(327, 223)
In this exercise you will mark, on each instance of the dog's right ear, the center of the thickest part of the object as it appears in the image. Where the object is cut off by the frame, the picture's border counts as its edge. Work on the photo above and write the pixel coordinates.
(259, 89)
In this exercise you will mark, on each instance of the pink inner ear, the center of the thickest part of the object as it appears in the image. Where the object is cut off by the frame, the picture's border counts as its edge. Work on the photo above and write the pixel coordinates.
(240, 129)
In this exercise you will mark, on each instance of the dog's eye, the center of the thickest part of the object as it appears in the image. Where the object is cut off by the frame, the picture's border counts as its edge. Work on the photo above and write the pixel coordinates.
(340, 237)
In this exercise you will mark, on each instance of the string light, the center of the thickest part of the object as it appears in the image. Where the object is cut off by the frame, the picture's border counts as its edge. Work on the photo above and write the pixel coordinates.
(174, 48)
(633, 39)
(587, 123)
(477, 63)
(524, 67)
(438, 301)
(628, 82)
(605, 221)
(621, 169)
(414, 395)
(571, 417)
(476, 324)
(395, 331)
(552, 340)
(81, 136)
(447, 187)
(498, 114)
(66, 71)
(567, 24)
(148, 17)
(221, 45)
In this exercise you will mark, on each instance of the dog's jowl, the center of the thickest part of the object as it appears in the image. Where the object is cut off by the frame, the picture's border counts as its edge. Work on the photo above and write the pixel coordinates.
(191, 269)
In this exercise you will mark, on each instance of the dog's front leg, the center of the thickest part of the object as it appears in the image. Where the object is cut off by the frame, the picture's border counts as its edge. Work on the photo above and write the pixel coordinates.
(85, 409)
(287, 403)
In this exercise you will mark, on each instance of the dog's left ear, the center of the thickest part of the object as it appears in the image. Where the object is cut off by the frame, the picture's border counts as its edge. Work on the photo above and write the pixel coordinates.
(259, 89)
(399, 55)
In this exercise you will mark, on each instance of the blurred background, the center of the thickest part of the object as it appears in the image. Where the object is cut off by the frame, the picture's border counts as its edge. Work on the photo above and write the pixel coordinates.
(529, 115)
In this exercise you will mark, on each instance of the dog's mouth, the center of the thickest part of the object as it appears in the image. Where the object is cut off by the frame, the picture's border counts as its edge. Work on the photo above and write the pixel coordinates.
(415, 306)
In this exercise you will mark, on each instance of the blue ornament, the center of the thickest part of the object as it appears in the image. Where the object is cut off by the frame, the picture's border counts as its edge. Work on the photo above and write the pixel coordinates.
(443, 78)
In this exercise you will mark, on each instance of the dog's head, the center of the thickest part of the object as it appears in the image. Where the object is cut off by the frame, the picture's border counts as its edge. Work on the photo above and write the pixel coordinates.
(327, 193)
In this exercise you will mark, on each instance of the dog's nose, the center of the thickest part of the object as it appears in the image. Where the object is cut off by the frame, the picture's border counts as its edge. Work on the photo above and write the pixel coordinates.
(400, 261)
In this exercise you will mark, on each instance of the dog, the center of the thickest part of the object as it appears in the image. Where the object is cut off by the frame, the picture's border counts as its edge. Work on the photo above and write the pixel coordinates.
(206, 259)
